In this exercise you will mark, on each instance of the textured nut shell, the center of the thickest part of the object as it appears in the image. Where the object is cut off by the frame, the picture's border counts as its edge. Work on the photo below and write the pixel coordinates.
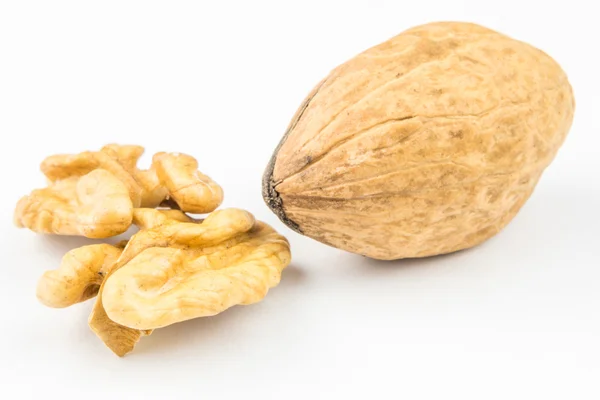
(426, 144)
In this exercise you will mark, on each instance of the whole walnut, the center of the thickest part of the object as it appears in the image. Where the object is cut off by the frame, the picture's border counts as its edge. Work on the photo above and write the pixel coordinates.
(428, 143)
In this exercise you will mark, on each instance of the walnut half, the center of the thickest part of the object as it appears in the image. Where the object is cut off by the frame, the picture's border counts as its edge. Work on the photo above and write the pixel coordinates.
(174, 269)
(93, 194)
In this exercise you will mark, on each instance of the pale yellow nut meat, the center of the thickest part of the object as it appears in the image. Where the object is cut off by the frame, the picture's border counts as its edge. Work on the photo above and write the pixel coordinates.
(193, 191)
(79, 276)
(163, 286)
(153, 193)
(145, 218)
(95, 205)
(60, 167)
(63, 166)
(172, 271)
(171, 176)
(171, 181)
(118, 338)
(176, 215)
(127, 155)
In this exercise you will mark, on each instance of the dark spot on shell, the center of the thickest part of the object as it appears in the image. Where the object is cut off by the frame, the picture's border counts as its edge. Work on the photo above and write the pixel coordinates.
(458, 134)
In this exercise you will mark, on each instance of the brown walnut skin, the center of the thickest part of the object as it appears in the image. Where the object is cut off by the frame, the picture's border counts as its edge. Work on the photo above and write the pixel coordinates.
(426, 144)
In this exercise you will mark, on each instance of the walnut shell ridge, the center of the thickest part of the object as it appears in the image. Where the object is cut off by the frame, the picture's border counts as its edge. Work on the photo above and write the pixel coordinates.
(425, 144)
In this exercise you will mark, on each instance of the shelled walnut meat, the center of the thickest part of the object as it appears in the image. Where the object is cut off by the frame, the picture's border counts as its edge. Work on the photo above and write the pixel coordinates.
(174, 269)
(93, 193)
(425, 144)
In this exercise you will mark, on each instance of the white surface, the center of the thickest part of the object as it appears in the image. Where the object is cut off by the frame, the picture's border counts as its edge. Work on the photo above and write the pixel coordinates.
(518, 317)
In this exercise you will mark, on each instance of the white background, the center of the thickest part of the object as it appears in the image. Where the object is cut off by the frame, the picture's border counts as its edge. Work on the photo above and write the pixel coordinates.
(515, 318)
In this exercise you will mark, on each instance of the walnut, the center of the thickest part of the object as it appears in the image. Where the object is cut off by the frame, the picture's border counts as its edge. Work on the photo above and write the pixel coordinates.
(93, 194)
(174, 269)
(428, 143)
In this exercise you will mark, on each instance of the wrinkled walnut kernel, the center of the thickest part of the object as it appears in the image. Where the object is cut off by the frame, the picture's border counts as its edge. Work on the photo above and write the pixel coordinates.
(93, 194)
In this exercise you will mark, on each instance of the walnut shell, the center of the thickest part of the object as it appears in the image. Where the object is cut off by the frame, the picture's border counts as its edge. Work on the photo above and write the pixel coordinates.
(425, 144)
